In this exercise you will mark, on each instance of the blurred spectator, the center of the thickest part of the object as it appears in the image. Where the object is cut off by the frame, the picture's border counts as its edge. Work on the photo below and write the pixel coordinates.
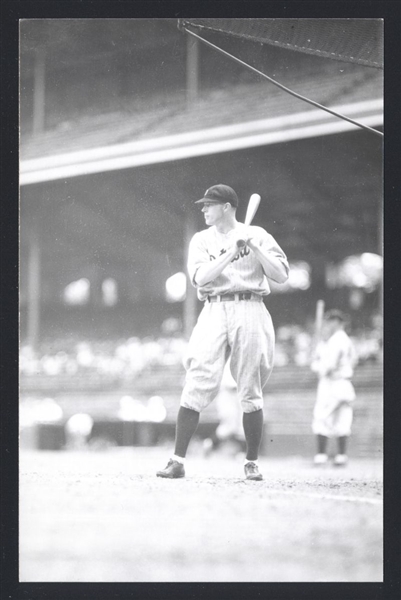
(153, 411)
(132, 410)
(39, 410)
(128, 358)
(292, 346)
(122, 358)
(156, 411)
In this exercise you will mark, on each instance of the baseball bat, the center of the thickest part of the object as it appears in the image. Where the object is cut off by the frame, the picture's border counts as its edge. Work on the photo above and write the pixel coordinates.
(320, 305)
(252, 207)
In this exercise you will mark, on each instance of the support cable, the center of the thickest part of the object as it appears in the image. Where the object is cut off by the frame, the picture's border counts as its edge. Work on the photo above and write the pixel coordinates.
(182, 27)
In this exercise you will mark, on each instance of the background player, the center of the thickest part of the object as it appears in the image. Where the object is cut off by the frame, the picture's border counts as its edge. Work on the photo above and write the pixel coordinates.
(234, 322)
(230, 428)
(334, 363)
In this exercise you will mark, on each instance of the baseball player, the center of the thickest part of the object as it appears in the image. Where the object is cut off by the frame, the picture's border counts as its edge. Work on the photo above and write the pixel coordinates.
(334, 363)
(234, 322)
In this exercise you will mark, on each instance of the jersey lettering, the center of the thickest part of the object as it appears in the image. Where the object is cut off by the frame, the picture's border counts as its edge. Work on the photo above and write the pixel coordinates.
(244, 252)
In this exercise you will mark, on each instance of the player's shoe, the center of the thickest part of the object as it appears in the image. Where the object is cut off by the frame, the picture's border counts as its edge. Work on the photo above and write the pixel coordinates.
(320, 460)
(252, 471)
(173, 470)
(340, 460)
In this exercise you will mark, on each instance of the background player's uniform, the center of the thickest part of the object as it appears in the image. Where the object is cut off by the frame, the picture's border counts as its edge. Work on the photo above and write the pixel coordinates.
(241, 329)
(228, 409)
(334, 364)
(230, 427)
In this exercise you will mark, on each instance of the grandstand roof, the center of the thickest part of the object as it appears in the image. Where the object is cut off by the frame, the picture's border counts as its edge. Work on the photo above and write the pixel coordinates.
(99, 216)
(169, 129)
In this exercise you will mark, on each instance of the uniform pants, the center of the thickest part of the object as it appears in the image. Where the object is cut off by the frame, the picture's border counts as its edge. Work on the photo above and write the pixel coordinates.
(242, 330)
(333, 411)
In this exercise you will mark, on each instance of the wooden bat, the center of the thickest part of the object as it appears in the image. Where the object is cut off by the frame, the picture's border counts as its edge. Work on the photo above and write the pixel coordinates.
(319, 314)
(253, 206)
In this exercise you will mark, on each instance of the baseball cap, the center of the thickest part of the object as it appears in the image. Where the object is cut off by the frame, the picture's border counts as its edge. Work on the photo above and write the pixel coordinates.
(220, 193)
(335, 314)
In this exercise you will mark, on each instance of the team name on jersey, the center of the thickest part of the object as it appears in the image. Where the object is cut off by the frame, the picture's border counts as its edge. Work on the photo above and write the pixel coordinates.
(244, 252)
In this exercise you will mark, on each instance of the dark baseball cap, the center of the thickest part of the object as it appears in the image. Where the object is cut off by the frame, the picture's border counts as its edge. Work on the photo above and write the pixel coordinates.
(221, 194)
(335, 315)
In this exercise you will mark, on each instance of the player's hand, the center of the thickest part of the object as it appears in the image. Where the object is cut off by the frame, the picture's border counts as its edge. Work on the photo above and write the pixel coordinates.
(247, 239)
(241, 235)
(237, 239)
(252, 243)
(247, 235)
(232, 247)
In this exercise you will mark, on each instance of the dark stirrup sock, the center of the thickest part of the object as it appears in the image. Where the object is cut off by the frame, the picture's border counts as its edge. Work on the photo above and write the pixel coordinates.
(322, 444)
(187, 422)
(253, 429)
(342, 444)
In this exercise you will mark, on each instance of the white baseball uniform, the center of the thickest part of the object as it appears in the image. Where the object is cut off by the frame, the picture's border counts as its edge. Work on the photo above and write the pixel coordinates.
(334, 364)
(240, 329)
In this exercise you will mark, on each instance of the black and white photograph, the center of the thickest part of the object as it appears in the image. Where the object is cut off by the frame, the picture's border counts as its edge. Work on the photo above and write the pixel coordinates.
(201, 300)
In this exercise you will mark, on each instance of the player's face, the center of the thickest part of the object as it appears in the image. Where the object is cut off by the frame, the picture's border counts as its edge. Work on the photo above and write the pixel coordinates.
(213, 212)
(326, 330)
(329, 327)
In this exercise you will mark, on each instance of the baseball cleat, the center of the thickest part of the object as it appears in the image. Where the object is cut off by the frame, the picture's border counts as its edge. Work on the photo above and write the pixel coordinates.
(320, 460)
(340, 460)
(252, 471)
(173, 470)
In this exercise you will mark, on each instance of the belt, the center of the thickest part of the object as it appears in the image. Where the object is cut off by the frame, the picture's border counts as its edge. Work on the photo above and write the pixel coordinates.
(235, 297)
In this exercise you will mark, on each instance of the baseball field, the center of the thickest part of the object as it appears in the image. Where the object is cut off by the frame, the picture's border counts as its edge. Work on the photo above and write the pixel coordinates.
(105, 517)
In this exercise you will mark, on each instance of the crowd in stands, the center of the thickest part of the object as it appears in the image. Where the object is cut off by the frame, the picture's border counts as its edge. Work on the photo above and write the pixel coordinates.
(127, 358)
(122, 357)
(293, 346)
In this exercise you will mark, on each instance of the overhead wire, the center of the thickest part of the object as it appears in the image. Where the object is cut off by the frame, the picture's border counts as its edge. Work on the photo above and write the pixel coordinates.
(182, 27)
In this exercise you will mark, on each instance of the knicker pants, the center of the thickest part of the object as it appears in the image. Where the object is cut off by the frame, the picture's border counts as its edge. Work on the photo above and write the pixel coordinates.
(333, 411)
(240, 330)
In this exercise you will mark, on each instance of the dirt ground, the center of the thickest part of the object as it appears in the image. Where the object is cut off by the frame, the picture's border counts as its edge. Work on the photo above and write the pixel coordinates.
(105, 517)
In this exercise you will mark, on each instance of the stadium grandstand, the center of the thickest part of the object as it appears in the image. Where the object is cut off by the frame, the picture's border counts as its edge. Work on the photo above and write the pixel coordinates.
(122, 125)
